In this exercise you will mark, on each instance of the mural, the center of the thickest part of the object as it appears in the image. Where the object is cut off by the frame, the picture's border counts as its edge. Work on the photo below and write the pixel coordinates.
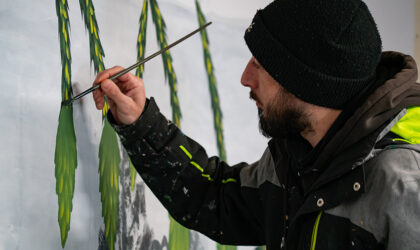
(109, 151)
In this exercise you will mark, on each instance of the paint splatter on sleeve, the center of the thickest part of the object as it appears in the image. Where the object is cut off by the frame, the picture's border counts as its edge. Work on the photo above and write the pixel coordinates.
(202, 193)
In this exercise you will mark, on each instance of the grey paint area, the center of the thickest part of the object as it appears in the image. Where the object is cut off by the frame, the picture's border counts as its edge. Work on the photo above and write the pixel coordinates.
(133, 231)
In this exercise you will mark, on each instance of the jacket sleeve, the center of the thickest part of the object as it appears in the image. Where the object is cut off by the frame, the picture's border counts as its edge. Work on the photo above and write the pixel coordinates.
(201, 193)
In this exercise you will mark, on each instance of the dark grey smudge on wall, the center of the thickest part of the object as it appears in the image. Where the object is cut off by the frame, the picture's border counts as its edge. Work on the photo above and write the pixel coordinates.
(102, 245)
(133, 230)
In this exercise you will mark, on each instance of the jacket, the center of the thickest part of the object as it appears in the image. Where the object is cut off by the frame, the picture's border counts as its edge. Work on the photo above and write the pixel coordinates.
(357, 189)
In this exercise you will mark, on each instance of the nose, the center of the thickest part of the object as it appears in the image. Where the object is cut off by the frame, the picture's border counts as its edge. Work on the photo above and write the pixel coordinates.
(249, 76)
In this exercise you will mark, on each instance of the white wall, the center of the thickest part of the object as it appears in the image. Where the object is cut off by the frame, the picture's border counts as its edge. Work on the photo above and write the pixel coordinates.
(30, 74)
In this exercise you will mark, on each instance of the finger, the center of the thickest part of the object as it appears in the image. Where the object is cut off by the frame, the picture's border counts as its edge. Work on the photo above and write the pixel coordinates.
(126, 77)
(98, 93)
(113, 92)
(98, 97)
(99, 101)
(110, 102)
(107, 74)
(132, 82)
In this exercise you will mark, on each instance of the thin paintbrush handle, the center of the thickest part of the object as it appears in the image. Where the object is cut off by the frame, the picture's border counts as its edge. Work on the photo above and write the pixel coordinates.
(124, 71)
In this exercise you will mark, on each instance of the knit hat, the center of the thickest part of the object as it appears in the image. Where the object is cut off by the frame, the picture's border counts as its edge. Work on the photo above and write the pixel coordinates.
(322, 51)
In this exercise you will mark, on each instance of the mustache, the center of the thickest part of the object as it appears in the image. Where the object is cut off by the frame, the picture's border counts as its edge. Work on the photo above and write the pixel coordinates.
(253, 96)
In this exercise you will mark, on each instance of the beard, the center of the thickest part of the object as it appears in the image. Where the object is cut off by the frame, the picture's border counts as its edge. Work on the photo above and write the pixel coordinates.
(282, 117)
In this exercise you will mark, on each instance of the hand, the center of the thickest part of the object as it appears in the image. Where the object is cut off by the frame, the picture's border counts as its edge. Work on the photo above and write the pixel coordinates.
(126, 95)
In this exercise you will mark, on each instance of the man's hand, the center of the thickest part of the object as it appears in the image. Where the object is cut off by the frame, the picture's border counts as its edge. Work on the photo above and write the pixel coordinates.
(126, 95)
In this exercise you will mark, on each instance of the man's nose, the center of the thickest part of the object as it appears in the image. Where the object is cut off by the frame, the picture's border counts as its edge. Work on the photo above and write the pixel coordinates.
(248, 78)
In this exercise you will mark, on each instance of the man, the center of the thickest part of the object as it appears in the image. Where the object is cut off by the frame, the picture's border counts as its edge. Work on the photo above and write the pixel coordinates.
(342, 169)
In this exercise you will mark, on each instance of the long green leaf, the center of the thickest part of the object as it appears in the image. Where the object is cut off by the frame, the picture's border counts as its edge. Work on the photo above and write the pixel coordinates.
(65, 167)
(65, 158)
(141, 38)
(167, 61)
(215, 101)
(179, 236)
(109, 153)
(133, 174)
(109, 160)
(96, 52)
(225, 247)
(141, 48)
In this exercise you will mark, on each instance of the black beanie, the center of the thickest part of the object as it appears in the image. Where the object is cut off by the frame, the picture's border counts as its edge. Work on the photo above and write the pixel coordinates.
(322, 51)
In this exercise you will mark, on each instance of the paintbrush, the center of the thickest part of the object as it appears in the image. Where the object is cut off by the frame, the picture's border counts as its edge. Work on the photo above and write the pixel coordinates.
(124, 71)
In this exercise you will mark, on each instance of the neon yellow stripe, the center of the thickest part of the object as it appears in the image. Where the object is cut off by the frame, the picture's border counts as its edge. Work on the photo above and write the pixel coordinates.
(197, 166)
(407, 127)
(186, 151)
(207, 176)
(229, 180)
(403, 140)
(315, 231)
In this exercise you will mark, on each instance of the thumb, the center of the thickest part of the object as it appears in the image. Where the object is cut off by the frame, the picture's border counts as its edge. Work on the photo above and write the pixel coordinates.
(113, 92)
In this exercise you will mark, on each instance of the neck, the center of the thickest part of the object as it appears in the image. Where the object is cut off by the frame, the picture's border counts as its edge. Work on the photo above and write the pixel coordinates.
(322, 120)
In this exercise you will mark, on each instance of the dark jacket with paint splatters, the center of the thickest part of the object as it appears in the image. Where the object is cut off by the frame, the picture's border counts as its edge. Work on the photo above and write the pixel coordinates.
(357, 189)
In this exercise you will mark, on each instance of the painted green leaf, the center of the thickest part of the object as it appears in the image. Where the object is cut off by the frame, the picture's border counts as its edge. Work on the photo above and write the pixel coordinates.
(167, 61)
(215, 101)
(96, 52)
(65, 158)
(109, 153)
(109, 160)
(65, 167)
(141, 38)
(133, 174)
(225, 247)
(141, 48)
(179, 236)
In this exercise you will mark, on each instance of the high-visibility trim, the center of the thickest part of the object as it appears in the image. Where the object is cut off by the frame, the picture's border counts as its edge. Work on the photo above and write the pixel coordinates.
(403, 140)
(408, 127)
(315, 231)
(185, 151)
(229, 180)
(207, 176)
(195, 164)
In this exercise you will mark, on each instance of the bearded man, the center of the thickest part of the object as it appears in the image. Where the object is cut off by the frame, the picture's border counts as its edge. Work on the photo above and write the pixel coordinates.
(342, 168)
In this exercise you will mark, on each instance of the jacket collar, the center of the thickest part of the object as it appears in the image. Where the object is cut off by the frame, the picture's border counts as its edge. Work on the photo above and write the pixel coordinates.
(351, 139)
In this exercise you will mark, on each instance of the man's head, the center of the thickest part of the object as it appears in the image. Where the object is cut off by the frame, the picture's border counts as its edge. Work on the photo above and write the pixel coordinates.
(280, 112)
(321, 52)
